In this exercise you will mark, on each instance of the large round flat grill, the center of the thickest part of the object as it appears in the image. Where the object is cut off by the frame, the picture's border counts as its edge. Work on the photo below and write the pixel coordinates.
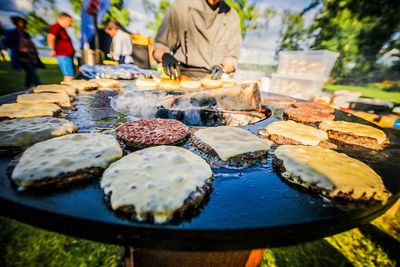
(247, 208)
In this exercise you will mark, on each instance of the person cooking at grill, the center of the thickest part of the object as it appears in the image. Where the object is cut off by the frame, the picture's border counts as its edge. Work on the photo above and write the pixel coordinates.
(197, 38)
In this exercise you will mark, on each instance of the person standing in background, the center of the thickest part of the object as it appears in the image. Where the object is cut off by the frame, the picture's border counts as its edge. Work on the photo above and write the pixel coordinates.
(61, 46)
(122, 44)
(23, 52)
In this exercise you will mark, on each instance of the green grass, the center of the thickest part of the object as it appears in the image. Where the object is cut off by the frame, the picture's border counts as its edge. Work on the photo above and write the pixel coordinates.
(24, 245)
(13, 81)
(370, 91)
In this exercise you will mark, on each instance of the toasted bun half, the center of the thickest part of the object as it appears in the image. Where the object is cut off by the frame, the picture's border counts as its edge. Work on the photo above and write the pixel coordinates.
(146, 84)
(190, 85)
(184, 78)
(169, 84)
(212, 84)
(228, 82)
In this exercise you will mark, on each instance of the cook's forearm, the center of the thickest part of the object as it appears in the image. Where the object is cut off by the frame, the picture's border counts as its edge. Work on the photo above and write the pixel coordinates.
(229, 67)
(158, 53)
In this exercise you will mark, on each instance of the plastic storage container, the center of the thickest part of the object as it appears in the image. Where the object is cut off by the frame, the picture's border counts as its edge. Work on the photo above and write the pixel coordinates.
(315, 63)
(296, 86)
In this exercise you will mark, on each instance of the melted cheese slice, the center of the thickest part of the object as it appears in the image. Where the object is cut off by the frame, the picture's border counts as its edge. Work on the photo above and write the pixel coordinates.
(65, 154)
(25, 132)
(81, 85)
(103, 82)
(61, 99)
(19, 110)
(354, 128)
(55, 88)
(231, 141)
(155, 180)
(304, 134)
(331, 171)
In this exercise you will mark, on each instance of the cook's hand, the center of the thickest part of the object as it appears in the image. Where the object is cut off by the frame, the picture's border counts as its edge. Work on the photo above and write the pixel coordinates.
(171, 66)
(53, 53)
(216, 72)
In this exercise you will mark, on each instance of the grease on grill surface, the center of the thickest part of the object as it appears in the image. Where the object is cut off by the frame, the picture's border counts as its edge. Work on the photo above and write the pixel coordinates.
(335, 174)
(230, 141)
(65, 154)
(301, 133)
(25, 132)
(354, 128)
(155, 181)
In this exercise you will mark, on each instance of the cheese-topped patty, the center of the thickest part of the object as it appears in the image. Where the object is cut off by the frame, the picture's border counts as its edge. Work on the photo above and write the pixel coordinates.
(61, 99)
(19, 110)
(155, 180)
(357, 129)
(63, 155)
(301, 133)
(334, 174)
(107, 83)
(25, 132)
(81, 85)
(55, 88)
(231, 141)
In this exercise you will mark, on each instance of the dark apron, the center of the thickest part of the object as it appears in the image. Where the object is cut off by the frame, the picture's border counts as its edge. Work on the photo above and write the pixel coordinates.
(195, 73)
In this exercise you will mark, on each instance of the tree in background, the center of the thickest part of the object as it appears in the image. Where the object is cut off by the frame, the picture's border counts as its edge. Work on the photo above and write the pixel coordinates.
(45, 13)
(158, 14)
(361, 31)
(292, 31)
(39, 20)
(335, 28)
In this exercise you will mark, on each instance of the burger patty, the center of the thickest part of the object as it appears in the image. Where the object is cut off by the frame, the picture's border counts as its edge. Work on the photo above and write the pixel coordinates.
(282, 140)
(209, 150)
(307, 115)
(278, 102)
(349, 138)
(194, 200)
(298, 181)
(149, 132)
(59, 180)
(315, 106)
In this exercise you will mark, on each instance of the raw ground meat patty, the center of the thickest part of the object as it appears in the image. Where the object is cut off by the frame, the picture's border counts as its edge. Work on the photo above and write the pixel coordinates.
(150, 132)
(315, 106)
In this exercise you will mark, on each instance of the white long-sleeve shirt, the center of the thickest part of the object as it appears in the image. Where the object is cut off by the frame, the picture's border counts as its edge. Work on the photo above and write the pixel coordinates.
(122, 45)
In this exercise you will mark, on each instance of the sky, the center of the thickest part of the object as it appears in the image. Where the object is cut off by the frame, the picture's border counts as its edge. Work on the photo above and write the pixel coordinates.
(255, 49)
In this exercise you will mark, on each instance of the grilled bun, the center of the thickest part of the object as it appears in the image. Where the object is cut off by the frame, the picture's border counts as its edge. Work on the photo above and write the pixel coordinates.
(169, 84)
(228, 82)
(190, 85)
(146, 84)
(184, 78)
(212, 84)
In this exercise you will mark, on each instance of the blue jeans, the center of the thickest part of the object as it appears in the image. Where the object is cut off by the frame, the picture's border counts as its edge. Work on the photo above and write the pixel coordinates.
(31, 76)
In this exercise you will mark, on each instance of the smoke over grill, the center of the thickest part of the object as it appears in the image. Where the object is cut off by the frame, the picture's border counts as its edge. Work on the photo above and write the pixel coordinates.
(232, 106)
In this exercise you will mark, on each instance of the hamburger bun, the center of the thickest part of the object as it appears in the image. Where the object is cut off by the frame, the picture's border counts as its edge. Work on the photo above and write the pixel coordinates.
(146, 84)
(184, 78)
(190, 85)
(212, 84)
(169, 84)
(228, 82)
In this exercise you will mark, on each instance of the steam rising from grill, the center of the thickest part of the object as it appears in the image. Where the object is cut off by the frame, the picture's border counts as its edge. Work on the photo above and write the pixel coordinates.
(233, 106)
